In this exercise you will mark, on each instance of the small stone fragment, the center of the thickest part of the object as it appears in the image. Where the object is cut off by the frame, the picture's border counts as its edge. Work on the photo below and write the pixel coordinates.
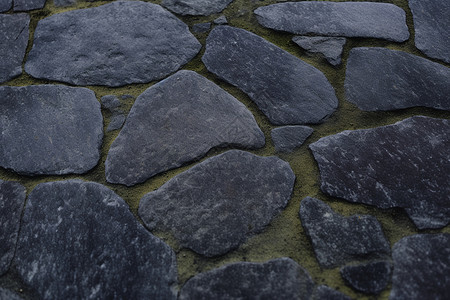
(216, 205)
(5, 5)
(324, 292)
(280, 278)
(201, 27)
(286, 139)
(24, 5)
(110, 102)
(196, 7)
(222, 20)
(370, 278)
(7, 294)
(330, 47)
(116, 122)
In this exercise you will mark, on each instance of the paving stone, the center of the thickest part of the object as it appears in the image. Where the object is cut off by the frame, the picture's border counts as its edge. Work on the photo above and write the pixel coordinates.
(369, 278)
(201, 27)
(280, 278)
(286, 89)
(324, 292)
(288, 138)
(421, 267)
(399, 165)
(222, 20)
(330, 47)
(114, 44)
(337, 239)
(23, 5)
(14, 36)
(196, 7)
(8, 295)
(348, 19)
(175, 122)
(117, 120)
(216, 205)
(79, 240)
(49, 129)
(12, 199)
(383, 79)
(5, 5)
(110, 102)
(431, 27)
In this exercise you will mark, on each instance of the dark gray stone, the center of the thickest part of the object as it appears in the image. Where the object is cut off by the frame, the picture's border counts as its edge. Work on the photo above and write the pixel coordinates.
(222, 20)
(196, 7)
(110, 102)
(369, 278)
(383, 79)
(330, 47)
(431, 27)
(288, 138)
(324, 292)
(5, 5)
(14, 34)
(421, 267)
(12, 199)
(23, 5)
(349, 19)
(114, 44)
(216, 205)
(280, 278)
(116, 122)
(174, 122)
(286, 89)
(79, 240)
(400, 165)
(337, 239)
(64, 3)
(49, 129)
(201, 27)
(8, 295)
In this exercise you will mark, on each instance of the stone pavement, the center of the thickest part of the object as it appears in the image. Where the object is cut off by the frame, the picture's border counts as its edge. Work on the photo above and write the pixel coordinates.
(234, 149)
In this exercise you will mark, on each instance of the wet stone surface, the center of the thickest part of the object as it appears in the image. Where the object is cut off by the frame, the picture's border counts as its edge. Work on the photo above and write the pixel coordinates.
(196, 7)
(324, 292)
(369, 278)
(286, 139)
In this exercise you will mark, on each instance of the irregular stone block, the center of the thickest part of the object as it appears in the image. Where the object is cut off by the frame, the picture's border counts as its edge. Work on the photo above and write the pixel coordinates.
(370, 278)
(23, 5)
(196, 7)
(201, 27)
(5, 5)
(110, 102)
(64, 3)
(222, 20)
(287, 138)
(116, 122)
(324, 292)
(330, 47)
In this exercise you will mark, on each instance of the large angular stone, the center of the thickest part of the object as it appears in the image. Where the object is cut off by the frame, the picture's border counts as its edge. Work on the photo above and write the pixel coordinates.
(337, 239)
(348, 19)
(49, 129)
(114, 44)
(5, 5)
(369, 278)
(216, 205)
(383, 79)
(177, 121)
(330, 47)
(23, 5)
(196, 7)
(324, 292)
(421, 267)
(400, 165)
(286, 89)
(79, 240)
(280, 278)
(287, 138)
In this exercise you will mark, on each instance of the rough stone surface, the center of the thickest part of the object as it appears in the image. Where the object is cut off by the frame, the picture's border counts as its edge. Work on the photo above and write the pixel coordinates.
(330, 47)
(49, 129)
(324, 292)
(177, 121)
(201, 27)
(337, 239)
(222, 20)
(110, 102)
(64, 3)
(5, 5)
(14, 34)
(12, 199)
(79, 240)
(421, 267)
(287, 138)
(286, 89)
(348, 19)
(400, 165)
(23, 5)
(196, 7)
(116, 122)
(369, 278)
(383, 79)
(8, 295)
(214, 206)
(114, 44)
(280, 278)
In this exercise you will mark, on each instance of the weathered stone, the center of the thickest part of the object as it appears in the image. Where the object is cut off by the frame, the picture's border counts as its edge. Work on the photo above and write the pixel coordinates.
(49, 129)
(8, 295)
(324, 292)
(349, 19)
(79, 240)
(280, 278)
(196, 7)
(337, 239)
(14, 34)
(287, 138)
(23, 5)
(400, 165)
(216, 205)
(384, 79)
(421, 267)
(5, 5)
(116, 122)
(201, 27)
(369, 278)
(12, 199)
(286, 89)
(330, 47)
(114, 44)
(175, 122)
(222, 20)
(110, 102)
(64, 2)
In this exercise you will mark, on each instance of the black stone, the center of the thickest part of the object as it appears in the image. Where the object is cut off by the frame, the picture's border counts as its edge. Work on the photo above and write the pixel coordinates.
(324, 292)
(369, 278)
(5, 5)
(196, 7)
(8, 295)
(288, 138)
(330, 47)
(23, 5)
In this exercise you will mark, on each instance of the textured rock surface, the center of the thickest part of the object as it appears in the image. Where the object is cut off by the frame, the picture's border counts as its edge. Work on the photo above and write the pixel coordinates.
(117, 120)
(324, 292)
(113, 44)
(330, 47)
(286, 89)
(287, 138)
(64, 3)
(214, 206)
(222, 20)
(196, 7)
(337, 239)
(49, 129)
(201, 27)
(400, 165)
(23, 5)
(5, 5)
(14, 39)
(383, 79)
(280, 278)
(8, 295)
(421, 267)
(110, 102)
(177, 121)
(80, 241)
(369, 278)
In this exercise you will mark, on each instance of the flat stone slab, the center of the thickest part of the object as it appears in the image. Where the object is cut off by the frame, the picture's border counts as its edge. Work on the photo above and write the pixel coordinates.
(94, 248)
(379, 79)
(399, 165)
(216, 205)
(347, 19)
(176, 121)
(24, 5)
(337, 239)
(324, 292)
(369, 278)
(196, 7)
(330, 47)
(49, 129)
(280, 278)
(114, 44)
(5, 5)
(14, 34)
(286, 89)
(287, 138)
(421, 267)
